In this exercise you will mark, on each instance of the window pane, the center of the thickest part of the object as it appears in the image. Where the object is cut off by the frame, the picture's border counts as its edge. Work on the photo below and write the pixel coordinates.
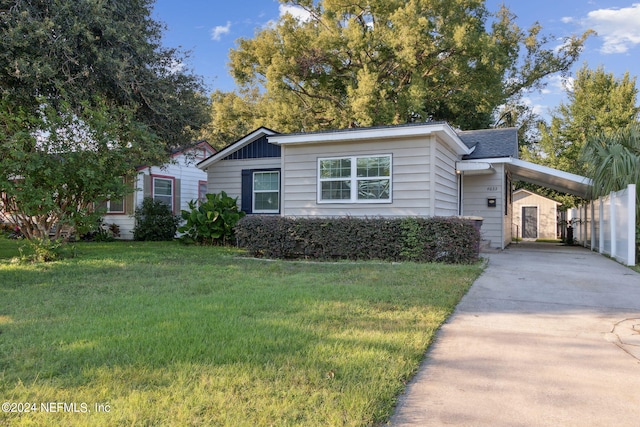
(266, 192)
(377, 189)
(202, 191)
(266, 181)
(163, 191)
(116, 205)
(267, 201)
(336, 190)
(162, 187)
(374, 166)
(167, 200)
(335, 168)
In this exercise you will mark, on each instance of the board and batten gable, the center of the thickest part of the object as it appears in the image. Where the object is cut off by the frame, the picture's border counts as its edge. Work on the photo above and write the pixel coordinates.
(423, 177)
(230, 169)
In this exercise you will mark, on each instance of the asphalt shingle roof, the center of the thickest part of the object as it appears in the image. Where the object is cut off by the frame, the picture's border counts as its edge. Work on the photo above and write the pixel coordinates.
(491, 143)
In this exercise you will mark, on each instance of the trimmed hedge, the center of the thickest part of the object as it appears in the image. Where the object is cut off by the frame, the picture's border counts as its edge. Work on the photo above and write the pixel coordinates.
(435, 239)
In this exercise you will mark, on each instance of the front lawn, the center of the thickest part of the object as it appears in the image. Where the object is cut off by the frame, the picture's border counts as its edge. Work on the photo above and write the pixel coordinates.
(132, 333)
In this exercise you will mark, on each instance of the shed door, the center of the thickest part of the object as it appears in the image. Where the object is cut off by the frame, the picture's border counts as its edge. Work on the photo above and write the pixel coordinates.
(529, 222)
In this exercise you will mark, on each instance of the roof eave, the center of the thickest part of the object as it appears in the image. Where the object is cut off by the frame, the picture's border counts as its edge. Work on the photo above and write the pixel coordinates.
(245, 140)
(545, 176)
(364, 134)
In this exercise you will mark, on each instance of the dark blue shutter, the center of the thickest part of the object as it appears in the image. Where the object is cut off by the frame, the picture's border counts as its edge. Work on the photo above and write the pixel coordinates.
(247, 191)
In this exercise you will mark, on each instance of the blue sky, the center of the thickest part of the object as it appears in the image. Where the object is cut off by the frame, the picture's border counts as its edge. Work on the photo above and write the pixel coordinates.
(209, 29)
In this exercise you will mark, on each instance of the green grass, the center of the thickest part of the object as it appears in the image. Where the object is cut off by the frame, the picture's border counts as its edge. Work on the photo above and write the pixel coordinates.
(549, 240)
(172, 335)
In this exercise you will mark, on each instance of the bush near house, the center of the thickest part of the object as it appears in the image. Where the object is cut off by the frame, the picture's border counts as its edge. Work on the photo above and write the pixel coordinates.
(436, 239)
(211, 221)
(155, 221)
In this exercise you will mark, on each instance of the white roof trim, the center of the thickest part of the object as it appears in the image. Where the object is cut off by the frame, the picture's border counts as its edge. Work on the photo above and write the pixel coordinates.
(245, 140)
(474, 168)
(555, 179)
(353, 135)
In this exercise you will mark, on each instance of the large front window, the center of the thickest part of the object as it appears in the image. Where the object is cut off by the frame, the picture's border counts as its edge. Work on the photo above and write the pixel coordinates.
(355, 179)
(266, 192)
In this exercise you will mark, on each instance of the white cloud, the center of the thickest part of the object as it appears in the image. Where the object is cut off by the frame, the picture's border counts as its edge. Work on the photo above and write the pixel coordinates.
(558, 84)
(220, 30)
(567, 19)
(176, 66)
(538, 109)
(297, 12)
(619, 28)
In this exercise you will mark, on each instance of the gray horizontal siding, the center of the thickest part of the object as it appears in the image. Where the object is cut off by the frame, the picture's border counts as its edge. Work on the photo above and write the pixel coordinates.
(227, 175)
(446, 188)
(477, 189)
(410, 179)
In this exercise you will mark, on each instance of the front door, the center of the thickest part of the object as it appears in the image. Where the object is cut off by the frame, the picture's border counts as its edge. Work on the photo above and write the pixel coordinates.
(529, 222)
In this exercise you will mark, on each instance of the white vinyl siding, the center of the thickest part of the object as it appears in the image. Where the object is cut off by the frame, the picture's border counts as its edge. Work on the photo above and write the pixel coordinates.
(186, 176)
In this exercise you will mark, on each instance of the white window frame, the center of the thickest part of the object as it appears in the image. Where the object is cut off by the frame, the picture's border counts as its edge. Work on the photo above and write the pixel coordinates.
(354, 180)
(173, 189)
(107, 205)
(120, 211)
(254, 192)
(202, 195)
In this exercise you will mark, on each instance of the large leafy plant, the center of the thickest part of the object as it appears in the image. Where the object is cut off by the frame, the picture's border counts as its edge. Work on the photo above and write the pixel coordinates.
(211, 221)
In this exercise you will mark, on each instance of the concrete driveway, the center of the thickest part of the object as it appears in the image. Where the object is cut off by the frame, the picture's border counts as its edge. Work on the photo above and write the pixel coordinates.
(545, 337)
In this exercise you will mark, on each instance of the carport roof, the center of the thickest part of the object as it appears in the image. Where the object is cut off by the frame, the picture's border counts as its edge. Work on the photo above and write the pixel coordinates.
(555, 179)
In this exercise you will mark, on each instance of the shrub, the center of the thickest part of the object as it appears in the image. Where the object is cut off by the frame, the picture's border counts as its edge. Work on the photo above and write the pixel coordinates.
(155, 221)
(450, 240)
(211, 221)
(41, 250)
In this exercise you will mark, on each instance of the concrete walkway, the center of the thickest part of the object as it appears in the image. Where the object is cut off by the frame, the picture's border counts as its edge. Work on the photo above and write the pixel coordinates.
(545, 337)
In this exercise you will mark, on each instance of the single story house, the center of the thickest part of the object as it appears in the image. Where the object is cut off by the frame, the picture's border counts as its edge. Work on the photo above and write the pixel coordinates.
(175, 183)
(418, 169)
(534, 216)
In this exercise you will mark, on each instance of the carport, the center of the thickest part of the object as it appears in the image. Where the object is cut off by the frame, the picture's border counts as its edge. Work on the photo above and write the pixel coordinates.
(544, 176)
(606, 225)
(487, 191)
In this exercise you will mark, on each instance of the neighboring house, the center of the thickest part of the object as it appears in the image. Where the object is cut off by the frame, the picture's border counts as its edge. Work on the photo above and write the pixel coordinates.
(419, 169)
(534, 216)
(175, 183)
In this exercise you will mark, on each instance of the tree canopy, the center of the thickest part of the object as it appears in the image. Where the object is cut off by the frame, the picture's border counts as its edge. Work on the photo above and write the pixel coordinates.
(381, 62)
(88, 94)
(598, 102)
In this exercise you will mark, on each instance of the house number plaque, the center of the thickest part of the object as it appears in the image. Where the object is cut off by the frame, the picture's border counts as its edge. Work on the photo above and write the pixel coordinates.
(492, 188)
